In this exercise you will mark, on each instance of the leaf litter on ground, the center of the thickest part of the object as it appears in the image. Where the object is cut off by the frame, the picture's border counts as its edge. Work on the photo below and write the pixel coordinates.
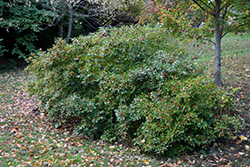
(28, 140)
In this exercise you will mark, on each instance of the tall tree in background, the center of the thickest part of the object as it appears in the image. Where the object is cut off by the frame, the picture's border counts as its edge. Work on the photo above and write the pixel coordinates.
(78, 9)
(21, 22)
(98, 11)
(220, 18)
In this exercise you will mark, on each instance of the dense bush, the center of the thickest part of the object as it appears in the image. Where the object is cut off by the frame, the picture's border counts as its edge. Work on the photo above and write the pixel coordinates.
(130, 83)
(183, 115)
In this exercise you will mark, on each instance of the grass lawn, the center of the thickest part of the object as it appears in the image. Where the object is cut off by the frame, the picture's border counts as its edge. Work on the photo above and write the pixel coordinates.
(29, 140)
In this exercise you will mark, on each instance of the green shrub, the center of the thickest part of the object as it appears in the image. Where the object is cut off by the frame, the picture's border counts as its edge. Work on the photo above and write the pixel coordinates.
(109, 80)
(183, 115)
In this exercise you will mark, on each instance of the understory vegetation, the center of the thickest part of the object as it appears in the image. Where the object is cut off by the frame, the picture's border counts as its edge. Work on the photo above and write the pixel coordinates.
(132, 84)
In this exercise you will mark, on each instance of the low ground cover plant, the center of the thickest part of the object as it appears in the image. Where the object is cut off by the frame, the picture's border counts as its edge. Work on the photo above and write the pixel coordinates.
(132, 83)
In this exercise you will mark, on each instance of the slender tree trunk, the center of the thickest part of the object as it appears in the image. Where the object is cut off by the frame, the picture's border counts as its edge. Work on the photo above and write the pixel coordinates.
(70, 24)
(217, 74)
(60, 26)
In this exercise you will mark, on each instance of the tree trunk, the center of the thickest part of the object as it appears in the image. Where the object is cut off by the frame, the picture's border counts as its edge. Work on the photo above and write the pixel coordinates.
(60, 26)
(217, 74)
(70, 24)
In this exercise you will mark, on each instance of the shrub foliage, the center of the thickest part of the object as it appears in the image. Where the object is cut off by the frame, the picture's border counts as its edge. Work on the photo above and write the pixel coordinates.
(131, 83)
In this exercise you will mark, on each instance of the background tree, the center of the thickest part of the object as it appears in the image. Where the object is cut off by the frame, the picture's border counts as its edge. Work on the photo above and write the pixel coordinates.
(92, 12)
(126, 12)
(73, 10)
(19, 25)
(179, 17)
(149, 14)
(24, 23)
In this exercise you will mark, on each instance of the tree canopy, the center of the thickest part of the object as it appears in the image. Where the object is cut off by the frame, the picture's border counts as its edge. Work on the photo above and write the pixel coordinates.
(24, 23)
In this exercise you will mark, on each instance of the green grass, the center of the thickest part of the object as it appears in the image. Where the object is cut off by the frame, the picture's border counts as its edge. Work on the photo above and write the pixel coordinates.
(231, 45)
(26, 140)
(235, 67)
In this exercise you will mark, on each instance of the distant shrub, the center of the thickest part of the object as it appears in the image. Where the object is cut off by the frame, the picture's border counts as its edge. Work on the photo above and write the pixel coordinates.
(129, 82)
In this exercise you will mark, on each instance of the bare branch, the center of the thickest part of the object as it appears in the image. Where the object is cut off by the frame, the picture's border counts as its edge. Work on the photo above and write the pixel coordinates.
(206, 5)
(224, 34)
(209, 40)
(213, 4)
(226, 5)
(89, 24)
(197, 3)
(223, 21)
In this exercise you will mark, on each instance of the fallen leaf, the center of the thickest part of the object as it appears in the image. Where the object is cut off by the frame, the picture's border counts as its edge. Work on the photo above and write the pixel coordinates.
(215, 156)
(111, 147)
(247, 147)
(242, 137)
(241, 153)
(239, 141)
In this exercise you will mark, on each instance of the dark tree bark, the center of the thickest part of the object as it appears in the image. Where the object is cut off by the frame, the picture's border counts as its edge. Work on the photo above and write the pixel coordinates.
(60, 27)
(217, 74)
(70, 24)
(60, 22)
